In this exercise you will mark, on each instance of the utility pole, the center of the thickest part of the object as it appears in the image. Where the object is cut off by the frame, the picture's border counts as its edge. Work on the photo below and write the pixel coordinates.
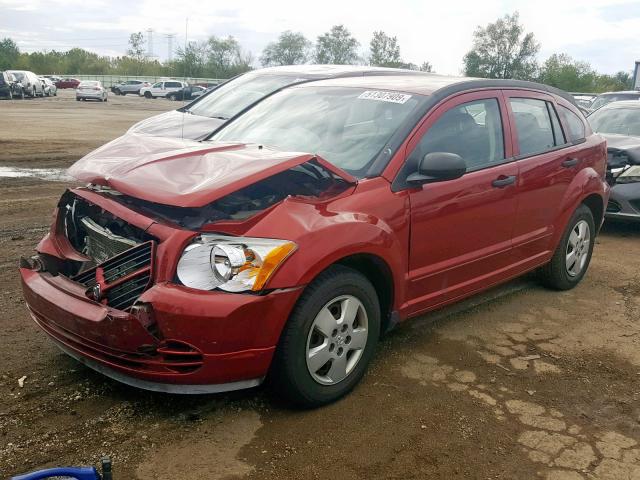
(150, 43)
(170, 37)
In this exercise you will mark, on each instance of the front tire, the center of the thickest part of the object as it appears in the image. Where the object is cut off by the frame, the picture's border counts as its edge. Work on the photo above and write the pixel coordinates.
(571, 259)
(329, 340)
(148, 95)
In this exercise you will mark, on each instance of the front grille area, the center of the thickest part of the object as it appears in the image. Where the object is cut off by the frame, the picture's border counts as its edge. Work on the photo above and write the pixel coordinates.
(613, 206)
(119, 281)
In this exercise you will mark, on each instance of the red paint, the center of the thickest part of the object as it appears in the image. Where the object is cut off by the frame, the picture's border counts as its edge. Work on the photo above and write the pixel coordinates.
(440, 242)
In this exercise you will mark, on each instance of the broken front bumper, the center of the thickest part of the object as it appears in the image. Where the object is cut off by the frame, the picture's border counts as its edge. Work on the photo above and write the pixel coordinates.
(180, 340)
(624, 202)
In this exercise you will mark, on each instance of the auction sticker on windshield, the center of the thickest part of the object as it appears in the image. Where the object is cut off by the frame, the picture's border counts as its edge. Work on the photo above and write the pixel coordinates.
(393, 97)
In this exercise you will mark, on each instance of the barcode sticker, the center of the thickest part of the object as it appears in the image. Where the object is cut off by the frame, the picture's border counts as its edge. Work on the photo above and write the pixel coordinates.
(393, 97)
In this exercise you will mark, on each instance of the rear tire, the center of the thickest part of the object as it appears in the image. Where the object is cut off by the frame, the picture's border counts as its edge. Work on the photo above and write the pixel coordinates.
(333, 296)
(571, 259)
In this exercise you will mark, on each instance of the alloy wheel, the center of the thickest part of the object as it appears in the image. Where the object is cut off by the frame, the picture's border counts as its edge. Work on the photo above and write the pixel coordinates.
(578, 248)
(336, 340)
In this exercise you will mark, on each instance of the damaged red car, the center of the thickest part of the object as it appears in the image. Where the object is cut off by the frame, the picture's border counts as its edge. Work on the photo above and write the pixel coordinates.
(286, 244)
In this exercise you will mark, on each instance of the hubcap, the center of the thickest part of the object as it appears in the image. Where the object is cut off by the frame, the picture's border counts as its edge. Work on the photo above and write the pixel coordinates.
(578, 248)
(337, 339)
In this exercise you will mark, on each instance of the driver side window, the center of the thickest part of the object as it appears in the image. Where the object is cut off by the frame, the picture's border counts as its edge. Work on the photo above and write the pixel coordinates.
(472, 130)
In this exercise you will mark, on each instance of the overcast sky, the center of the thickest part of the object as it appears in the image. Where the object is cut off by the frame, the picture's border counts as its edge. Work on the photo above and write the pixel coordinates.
(605, 33)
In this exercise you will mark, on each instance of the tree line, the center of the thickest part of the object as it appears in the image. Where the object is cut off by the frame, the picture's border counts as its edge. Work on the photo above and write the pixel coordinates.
(501, 49)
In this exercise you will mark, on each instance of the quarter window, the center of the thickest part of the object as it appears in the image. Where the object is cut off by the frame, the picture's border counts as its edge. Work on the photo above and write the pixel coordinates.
(533, 124)
(472, 130)
(574, 124)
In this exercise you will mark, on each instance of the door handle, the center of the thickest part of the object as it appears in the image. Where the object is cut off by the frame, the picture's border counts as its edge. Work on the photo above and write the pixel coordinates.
(570, 162)
(503, 181)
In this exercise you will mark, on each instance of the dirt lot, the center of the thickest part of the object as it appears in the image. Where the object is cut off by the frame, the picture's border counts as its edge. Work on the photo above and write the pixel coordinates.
(519, 383)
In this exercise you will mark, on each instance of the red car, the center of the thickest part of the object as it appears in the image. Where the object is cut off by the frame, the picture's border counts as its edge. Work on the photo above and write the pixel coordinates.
(311, 224)
(68, 83)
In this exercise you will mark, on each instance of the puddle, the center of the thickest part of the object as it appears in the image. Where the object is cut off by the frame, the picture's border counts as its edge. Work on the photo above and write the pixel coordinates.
(51, 174)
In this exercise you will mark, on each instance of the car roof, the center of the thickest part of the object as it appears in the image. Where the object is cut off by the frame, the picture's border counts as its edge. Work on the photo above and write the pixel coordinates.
(430, 83)
(622, 104)
(630, 92)
(329, 71)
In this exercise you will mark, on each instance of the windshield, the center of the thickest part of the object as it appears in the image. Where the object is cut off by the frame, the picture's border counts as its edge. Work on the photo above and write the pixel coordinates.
(237, 94)
(19, 76)
(346, 126)
(623, 121)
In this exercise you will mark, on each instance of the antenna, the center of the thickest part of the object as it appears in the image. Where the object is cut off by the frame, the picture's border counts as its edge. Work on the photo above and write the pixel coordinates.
(186, 36)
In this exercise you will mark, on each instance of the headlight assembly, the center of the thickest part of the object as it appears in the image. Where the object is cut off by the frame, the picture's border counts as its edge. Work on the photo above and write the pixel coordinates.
(233, 264)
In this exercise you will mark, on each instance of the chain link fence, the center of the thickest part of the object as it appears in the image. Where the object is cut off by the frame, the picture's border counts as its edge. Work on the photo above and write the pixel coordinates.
(109, 80)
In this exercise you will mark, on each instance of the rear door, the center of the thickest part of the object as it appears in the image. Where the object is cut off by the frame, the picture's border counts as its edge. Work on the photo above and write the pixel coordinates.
(547, 164)
(461, 229)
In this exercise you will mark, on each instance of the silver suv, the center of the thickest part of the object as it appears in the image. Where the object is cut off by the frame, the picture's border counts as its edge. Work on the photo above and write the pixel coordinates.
(130, 86)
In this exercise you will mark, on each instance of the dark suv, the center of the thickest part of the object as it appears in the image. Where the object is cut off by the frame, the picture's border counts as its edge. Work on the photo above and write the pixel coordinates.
(10, 87)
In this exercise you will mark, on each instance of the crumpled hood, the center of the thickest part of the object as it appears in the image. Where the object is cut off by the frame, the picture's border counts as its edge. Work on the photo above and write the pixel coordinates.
(624, 143)
(184, 173)
(177, 124)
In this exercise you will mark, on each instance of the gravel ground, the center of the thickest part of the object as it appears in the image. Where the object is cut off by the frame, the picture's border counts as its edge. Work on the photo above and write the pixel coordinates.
(517, 383)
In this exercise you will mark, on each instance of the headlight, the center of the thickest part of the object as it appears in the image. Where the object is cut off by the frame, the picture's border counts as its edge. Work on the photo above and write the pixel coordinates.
(630, 175)
(234, 264)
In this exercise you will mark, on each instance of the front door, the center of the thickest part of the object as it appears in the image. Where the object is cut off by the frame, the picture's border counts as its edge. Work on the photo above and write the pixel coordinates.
(461, 229)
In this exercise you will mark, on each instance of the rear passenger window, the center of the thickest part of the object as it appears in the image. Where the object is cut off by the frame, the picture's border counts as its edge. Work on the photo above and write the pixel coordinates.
(472, 130)
(574, 124)
(533, 124)
(558, 135)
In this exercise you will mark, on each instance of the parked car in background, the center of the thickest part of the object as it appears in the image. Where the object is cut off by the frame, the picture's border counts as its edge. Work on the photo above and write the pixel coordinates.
(619, 124)
(31, 84)
(67, 83)
(91, 90)
(310, 224)
(186, 93)
(584, 100)
(10, 87)
(130, 86)
(161, 89)
(53, 78)
(605, 98)
(50, 90)
(208, 112)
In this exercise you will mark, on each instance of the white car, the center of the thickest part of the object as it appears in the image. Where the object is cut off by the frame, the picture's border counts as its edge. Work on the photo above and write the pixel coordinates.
(161, 89)
(91, 90)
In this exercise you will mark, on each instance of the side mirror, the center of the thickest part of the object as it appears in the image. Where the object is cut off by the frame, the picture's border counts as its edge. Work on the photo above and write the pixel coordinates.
(438, 167)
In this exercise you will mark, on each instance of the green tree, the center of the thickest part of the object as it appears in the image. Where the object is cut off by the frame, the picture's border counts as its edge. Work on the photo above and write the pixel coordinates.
(385, 51)
(136, 48)
(9, 54)
(192, 59)
(225, 57)
(502, 50)
(337, 46)
(291, 48)
(562, 71)
(426, 67)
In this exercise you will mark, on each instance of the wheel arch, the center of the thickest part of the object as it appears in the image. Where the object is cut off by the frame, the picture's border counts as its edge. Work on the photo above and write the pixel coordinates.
(378, 272)
(595, 203)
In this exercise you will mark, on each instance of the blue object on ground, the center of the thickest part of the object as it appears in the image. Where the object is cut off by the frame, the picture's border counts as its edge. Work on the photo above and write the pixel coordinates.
(77, 473)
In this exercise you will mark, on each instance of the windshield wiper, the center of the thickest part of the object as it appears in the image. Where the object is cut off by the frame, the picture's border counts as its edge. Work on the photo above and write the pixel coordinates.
(219, 117)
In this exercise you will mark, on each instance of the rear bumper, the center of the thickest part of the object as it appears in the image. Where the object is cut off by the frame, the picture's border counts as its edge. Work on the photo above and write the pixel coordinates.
(191, 342)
